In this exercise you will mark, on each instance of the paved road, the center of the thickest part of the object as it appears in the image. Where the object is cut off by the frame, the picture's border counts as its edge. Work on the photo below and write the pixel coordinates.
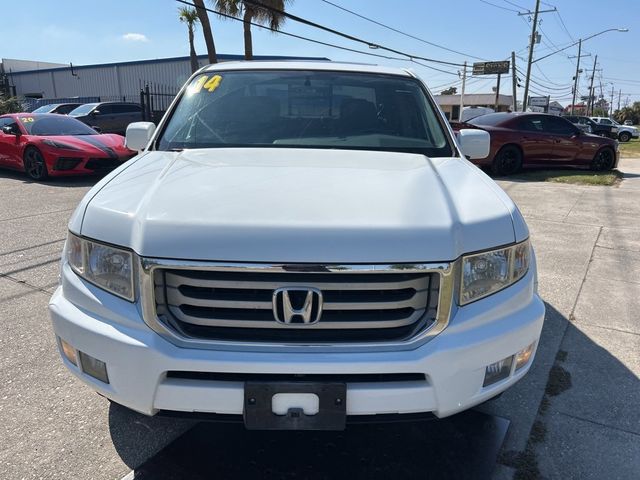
(576, 414)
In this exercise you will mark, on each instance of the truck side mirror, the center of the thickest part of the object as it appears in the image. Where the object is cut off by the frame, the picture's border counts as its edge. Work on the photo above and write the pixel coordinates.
(139, 135)
(474, 144)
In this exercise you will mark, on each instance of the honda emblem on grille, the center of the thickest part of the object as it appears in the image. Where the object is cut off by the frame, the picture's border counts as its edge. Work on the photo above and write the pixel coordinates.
(297, 305)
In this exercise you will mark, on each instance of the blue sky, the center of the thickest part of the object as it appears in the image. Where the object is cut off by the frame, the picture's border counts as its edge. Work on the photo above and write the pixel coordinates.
(85, 32)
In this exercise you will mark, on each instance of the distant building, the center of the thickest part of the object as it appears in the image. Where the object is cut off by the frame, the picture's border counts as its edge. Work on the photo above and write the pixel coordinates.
(450, 104)
(108, 81)
(578, 109)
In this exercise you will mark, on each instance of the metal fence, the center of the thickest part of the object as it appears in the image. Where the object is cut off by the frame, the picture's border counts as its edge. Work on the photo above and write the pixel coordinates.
(155, 100)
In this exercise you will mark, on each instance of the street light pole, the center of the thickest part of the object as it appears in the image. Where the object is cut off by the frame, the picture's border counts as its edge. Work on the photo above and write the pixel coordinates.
(525, 101)
(581, 40)
(575, 80)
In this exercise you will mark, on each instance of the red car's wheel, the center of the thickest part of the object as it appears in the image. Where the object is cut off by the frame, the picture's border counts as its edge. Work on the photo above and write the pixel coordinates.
(603, 160)
(507, 161)
(34, 164)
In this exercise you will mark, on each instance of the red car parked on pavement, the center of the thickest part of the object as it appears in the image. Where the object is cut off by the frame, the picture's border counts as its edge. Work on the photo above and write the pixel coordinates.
(51, 144)
(537, 139)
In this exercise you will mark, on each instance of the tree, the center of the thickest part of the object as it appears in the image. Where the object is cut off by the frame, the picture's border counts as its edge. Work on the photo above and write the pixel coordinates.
(628, 113)
(9, 105)
(206, 30)
(449, 91)
(190, 17)
(252, 13)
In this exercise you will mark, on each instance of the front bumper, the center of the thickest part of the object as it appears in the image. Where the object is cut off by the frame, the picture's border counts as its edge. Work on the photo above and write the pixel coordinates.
(73, 164)
(138, 359)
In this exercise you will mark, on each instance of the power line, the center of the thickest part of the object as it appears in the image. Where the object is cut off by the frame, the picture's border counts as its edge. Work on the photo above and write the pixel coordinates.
(307, 39)
(514, 4)
(373, 45)
(565, 26)
(500, 7)
(401, 32)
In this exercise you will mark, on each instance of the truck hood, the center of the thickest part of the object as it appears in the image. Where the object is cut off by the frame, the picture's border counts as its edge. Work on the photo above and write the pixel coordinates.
(299, 205)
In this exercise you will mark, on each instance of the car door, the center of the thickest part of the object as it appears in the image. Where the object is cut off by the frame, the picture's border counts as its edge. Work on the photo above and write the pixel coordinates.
(104, 117)
(10, 145)
(126, 114)
(536, 145)
(565, 137)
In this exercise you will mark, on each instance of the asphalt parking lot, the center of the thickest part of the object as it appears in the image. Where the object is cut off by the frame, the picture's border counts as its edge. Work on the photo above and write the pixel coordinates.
(575, 415)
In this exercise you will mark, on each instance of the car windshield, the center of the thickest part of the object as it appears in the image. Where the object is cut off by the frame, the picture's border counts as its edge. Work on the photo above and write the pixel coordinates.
(308, 109)
(45, 108)
(83, 109)
(54, 125)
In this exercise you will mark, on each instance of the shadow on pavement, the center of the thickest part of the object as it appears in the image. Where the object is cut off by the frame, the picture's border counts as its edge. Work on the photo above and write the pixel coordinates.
(463, 446)
(68, 182)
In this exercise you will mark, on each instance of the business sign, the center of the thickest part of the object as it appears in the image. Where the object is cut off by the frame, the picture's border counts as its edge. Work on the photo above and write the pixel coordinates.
(491, 68)
(538, 101)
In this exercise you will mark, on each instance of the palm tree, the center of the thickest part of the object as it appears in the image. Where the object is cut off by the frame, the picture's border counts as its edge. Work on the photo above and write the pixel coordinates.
(253, 13)
(190, 17)
(206, 30)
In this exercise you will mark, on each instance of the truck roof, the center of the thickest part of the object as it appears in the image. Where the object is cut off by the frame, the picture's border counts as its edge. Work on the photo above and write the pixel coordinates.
(311, 65)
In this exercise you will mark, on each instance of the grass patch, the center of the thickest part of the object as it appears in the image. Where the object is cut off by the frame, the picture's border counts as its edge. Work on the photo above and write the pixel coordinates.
(575, 177)
(630, 149)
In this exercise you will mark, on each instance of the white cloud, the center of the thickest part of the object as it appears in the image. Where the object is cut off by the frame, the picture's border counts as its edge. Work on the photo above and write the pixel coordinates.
(135, 37)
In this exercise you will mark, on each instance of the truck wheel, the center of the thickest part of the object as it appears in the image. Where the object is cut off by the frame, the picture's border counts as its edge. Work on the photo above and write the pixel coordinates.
(603, 160)
(624, 136)
(507, 161)
(34, 164)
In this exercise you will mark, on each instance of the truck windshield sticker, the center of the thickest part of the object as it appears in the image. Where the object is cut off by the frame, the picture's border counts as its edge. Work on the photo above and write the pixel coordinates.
(205, 83)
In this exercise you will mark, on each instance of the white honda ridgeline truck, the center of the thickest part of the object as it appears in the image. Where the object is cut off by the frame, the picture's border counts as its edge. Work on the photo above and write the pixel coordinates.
(298, 243)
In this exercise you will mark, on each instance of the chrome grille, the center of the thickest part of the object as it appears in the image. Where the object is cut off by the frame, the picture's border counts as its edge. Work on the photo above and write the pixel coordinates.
(238, 305)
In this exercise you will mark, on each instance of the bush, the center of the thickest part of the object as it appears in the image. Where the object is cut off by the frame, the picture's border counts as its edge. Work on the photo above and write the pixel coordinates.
(9, 105)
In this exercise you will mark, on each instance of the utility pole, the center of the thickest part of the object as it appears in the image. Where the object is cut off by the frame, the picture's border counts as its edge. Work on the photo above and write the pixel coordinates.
(529, 62)
(593, 75)
(514, 81)
(619, 98)
(464, 82)
(611, 104)
(575, 79)
(495, 106)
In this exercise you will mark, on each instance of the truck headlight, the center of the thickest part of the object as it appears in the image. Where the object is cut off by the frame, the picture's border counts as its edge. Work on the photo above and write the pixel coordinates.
(107, 267)
(489, 272)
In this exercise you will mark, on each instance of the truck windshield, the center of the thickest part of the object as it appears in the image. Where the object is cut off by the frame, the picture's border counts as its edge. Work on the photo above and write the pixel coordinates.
(305, 109)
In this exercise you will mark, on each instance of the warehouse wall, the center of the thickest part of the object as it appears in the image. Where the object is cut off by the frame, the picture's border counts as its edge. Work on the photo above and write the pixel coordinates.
(114, 81)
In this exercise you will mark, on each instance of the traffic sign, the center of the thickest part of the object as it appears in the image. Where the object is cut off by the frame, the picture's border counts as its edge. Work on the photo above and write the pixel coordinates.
(491, 68)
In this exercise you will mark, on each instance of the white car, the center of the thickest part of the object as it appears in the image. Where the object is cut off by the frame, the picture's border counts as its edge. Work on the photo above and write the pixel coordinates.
(625, 132)
(299, 243)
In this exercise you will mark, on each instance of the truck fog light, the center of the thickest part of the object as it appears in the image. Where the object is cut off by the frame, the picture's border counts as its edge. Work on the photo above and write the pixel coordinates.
(523, 356)
(94, 367)
(497, 371)
(68, 351)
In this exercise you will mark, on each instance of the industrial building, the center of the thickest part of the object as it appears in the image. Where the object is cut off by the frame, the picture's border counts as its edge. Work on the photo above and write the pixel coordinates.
(107, 81)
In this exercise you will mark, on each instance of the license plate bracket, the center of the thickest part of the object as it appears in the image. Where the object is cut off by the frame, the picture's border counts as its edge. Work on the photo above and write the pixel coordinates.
(258, 414)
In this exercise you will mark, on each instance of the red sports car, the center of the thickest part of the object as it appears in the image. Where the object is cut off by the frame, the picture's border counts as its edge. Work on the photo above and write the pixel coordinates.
(51, 144)
(537, 139)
